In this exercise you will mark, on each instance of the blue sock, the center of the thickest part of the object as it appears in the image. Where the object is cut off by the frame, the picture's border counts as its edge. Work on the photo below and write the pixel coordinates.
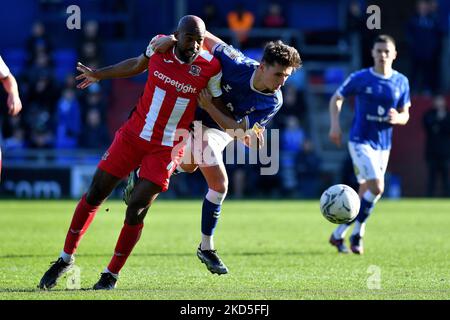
(210, 216)
(365, 210)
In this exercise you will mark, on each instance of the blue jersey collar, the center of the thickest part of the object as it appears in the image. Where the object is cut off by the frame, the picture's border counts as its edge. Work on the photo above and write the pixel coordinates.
(376, 74)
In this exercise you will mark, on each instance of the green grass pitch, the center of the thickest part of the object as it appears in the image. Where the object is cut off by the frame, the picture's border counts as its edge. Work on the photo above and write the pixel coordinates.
(273, 249)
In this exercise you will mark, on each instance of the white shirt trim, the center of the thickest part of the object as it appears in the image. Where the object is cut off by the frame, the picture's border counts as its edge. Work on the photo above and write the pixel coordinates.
(4, 70)
(215, 47)
(206, 55)
(174, 54)
(214, 85)
(376, 74)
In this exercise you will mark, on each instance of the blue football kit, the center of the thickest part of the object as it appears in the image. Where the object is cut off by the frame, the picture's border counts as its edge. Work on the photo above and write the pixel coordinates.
(374, 96)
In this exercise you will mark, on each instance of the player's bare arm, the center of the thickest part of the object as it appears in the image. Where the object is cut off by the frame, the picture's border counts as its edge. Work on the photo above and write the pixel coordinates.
(124, 69)
(164, 43)
(217, 110)
(211, 40)
(13, 103)
(335, 133)
(399, 117)
(208, 103)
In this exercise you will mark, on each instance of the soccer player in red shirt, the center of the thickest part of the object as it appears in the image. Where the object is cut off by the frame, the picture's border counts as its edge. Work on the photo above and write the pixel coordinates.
(150, 138)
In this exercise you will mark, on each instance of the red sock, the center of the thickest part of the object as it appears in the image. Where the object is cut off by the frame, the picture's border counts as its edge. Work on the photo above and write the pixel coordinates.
(128, 238)
(82, 218)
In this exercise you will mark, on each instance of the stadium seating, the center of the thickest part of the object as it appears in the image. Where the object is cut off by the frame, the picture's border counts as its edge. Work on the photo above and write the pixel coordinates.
(15, 58)
(65, 62)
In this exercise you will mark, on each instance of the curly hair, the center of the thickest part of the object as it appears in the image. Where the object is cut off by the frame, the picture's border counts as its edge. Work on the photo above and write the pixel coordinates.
(278, 52)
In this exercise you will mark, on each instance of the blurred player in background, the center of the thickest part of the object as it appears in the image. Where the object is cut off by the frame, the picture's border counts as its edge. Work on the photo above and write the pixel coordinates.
(251, 98)
(13, 102)
(148, 138)
(382, 100)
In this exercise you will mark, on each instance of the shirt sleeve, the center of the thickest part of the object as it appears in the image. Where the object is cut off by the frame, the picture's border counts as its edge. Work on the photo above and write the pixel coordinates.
(262, 117)
(4, 70)
(214, 85)
(405, 99)
(223, 50)
(230, 56)
(349, 87)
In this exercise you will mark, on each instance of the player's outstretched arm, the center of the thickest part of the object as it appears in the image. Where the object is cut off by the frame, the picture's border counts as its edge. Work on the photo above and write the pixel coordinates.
(335, 133)
(124, 69)
(164, 43)
(13, 103)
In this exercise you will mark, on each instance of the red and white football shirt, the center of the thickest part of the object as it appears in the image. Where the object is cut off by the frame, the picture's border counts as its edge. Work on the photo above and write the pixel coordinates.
(170, 95)
(4, 70)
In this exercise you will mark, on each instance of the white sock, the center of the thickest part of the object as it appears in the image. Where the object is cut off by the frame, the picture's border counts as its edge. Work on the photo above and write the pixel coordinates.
(68, 258)
(115, 275)
(360, 229)
(207, 242)
(340, 231)
(215, 197)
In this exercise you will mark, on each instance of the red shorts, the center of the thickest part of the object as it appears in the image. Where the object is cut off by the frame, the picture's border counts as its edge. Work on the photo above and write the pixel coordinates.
(127, 152)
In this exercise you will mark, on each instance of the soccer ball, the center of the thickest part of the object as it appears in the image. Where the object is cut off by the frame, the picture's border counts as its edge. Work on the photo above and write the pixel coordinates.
(339, 204)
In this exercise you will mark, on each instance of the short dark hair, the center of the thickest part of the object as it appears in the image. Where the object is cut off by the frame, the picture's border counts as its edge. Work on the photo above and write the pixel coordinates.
(384, 38)
(278, 52)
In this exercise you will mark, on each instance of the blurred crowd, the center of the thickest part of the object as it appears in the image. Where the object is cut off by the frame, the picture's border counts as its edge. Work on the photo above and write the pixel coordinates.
(56, 115)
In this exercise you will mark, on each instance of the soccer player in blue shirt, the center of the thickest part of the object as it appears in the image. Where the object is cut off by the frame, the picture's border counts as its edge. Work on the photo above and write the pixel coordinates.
(381, 101)
(251, 96)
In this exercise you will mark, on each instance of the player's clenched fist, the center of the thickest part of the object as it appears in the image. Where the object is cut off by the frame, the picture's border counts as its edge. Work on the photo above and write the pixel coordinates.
(163, 43)
(335, 135)
(393, 116)
(255, 139)
(14, 104)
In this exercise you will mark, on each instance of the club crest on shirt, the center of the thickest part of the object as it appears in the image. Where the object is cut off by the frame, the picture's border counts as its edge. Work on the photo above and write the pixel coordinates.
(369, 90)
(195, 70)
